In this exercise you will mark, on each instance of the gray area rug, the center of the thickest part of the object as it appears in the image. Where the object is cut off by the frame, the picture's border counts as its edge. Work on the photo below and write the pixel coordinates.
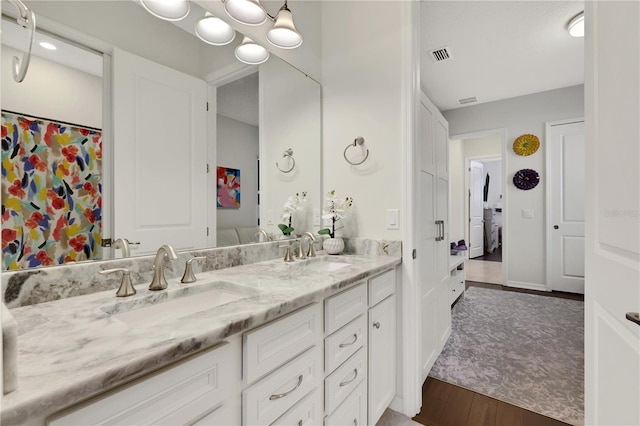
(524, 349)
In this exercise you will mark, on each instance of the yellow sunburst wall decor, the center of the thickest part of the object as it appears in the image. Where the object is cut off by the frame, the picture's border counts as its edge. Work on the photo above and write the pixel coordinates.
(526, 144)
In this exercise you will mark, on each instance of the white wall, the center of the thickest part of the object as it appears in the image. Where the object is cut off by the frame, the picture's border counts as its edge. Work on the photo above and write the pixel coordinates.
(457, 197)
(524, 239)
(237, 147)
(52, 91)
(362, 83)
(291, 118)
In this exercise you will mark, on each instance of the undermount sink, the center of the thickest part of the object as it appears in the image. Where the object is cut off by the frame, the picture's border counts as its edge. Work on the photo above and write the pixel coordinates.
(325, 264)
(177, 303)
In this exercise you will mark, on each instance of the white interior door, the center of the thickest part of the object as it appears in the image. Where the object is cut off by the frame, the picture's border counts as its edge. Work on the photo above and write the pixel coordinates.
(428, 232)
(160, 154)
(565, 183)
(476, 212)
(612, 286)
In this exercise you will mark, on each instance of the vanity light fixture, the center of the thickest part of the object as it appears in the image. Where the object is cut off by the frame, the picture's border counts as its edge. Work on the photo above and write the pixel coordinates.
(248, 12)
(214, 30)
(47, 45)
(251, 53)
(576, 25)
(169, 10)
(283, 34)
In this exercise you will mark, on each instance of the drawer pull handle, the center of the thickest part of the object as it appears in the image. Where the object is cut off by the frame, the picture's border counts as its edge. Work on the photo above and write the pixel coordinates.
(282, 395)
(355, 339)
(376, 324)
(345, 383)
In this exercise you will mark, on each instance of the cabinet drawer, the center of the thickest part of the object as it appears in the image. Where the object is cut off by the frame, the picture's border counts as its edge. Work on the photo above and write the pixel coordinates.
(182, 394)
(344, 380)
(344, 307)
(381, 287)
(353, 411)
(272, 396)
(307, 412)
(345, 342)
(268, 347)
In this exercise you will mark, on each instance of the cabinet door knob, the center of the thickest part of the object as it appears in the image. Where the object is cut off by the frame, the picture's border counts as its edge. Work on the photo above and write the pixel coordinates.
(556, 227)
(376, 324)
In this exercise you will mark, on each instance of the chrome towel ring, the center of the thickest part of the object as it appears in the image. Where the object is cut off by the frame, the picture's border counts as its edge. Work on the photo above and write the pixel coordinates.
(287, 153)
(358, 141)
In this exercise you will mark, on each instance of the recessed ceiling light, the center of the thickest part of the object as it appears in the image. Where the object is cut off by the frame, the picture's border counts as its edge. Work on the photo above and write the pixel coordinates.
(576, 25)
(47, 45)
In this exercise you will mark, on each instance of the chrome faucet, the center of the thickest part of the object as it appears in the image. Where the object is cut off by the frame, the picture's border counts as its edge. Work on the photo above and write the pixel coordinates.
(159, 282)
(310, 252)
(266, 236)
(122, 243)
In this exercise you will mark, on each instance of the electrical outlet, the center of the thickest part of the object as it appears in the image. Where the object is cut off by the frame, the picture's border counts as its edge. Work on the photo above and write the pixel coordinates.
(316, 217)
(527, 213)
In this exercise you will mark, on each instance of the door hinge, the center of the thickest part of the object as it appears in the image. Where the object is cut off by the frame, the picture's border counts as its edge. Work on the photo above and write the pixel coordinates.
(207, 168)
(207, 106)
(106, 242)
(414, 253)
(207, 231)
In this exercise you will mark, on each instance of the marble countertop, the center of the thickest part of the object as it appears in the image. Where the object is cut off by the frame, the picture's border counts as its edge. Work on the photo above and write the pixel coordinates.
(73, 349)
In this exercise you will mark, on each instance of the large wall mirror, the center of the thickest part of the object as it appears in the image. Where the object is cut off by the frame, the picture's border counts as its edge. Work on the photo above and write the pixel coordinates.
(135, 129)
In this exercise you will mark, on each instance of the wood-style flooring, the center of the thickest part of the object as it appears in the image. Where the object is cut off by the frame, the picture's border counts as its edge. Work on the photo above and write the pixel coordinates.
(444, 404)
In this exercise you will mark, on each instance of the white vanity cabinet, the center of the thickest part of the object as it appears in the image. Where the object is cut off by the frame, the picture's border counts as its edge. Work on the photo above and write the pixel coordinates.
(457, 278)
(204, 389)
(282, 364)
(382, 344)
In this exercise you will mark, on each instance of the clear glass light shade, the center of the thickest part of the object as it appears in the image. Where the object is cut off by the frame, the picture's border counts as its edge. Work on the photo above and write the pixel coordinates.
(251, 53)
(249, 12)
(169, 10)
(284, 33)
(576, 26)
(214, 30)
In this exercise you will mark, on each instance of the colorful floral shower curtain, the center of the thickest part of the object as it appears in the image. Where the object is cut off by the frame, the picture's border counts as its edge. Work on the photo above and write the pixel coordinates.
(51, 192)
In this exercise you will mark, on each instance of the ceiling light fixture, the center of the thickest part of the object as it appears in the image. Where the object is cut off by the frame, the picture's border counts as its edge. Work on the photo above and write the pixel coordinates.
(251, 53)
(47, 45)
(576, 25)
(169, 10)
(214, 30)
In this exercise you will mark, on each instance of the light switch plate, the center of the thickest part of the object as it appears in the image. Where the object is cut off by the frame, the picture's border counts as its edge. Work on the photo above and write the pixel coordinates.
(393, 219)
(316, 217)
(527, 213)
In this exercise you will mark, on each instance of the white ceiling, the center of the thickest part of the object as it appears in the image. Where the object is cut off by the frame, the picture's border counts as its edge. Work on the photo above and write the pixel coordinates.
(500, 49)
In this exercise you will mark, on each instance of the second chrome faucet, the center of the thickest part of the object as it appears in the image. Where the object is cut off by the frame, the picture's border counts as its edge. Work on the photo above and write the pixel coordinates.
(159, 282)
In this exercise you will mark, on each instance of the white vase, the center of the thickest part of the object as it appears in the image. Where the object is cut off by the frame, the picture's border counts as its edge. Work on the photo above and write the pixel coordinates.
(333, 245)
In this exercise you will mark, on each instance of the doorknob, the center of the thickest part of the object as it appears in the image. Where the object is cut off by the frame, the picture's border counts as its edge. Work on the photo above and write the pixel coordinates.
(633, 317)
(555, 227)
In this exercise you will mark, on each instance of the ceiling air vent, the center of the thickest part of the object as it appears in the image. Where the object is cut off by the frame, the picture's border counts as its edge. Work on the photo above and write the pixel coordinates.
(467, 100)
(441, 54)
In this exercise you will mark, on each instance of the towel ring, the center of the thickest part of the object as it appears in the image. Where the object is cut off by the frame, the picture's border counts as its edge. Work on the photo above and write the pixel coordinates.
(287, 153)
(357, 141)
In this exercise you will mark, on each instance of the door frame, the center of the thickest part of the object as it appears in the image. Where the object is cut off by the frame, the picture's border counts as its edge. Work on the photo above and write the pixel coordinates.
(502, 132)
(547, 188)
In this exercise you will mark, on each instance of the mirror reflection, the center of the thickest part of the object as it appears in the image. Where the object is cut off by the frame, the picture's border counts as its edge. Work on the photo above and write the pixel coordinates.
(88, 157)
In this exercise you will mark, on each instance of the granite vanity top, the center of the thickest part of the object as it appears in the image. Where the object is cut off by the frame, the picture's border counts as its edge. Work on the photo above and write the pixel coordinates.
(72, 349)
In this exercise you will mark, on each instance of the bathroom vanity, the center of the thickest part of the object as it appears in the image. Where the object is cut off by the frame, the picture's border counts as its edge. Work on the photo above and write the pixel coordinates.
(306, 342)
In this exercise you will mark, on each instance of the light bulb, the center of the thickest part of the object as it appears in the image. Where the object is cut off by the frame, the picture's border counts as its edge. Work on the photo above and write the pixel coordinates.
(248, 12)
(169, 10)
(284, 33)
(251, 53)
(214, 30)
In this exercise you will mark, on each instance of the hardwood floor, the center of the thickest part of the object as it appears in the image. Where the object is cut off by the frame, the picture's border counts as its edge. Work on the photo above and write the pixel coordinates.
(444, 404)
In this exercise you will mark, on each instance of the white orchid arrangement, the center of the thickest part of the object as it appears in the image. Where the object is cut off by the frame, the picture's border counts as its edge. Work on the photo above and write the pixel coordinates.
(335, 209)
(294, 204)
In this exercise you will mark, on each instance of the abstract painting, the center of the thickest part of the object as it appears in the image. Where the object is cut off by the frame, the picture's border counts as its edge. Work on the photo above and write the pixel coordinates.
(228, 187)
(51, 192)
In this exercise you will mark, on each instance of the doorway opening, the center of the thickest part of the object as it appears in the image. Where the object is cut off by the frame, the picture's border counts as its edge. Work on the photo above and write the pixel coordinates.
(478, 201)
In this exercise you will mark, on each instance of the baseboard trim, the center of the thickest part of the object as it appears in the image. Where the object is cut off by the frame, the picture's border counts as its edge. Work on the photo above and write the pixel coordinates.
(527, 286)
(397, 404)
